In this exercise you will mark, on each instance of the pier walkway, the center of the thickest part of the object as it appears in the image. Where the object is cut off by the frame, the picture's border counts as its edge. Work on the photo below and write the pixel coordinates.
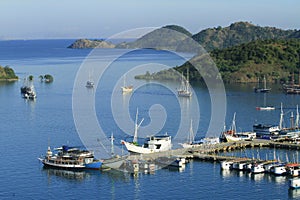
(210, 152)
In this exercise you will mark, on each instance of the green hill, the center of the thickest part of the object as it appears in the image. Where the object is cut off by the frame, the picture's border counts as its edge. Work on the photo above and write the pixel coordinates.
(236, 34)
(167, 37)
(276, 59)
(7, 74)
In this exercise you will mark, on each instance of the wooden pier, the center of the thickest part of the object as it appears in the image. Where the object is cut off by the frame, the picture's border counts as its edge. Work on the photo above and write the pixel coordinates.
(210, 152)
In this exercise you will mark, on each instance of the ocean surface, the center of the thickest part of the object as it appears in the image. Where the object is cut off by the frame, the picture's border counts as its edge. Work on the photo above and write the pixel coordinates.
(29, 127)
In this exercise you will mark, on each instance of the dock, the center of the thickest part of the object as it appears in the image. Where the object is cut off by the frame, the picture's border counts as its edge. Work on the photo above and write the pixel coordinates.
(211, 152)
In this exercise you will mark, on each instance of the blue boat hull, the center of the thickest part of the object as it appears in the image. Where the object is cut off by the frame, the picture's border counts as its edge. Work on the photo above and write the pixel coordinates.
(93, 165)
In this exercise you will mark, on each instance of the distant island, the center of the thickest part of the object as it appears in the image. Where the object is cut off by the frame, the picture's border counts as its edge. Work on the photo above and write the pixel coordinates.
(7, 74)
(90, 44)
(243, 52)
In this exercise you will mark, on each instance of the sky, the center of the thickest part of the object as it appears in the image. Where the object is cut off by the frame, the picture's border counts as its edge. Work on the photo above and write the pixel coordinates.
(53, 19)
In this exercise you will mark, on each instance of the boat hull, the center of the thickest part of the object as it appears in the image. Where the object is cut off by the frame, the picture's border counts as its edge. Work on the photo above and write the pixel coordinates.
(62, 166)
(93, 165)
(137, 149)
(294, 183)
(114, 163)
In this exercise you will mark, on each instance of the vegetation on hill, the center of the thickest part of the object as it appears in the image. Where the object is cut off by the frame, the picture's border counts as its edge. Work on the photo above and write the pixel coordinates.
(275, 59)
(7, 73)
(236, 34)
(167, 38)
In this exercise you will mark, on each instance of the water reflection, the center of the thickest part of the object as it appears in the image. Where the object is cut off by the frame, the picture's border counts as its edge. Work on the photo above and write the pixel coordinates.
(226, 173)
(294, 193)
(257, 177)
(66, 174)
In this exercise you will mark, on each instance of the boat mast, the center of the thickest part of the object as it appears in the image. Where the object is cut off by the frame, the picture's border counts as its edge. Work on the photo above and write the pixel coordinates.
(233, 126)
(292, 120)
(112, 144)
(191, 135)
(187, 80)
(136, 127)
(297, 118)
(265, 83)
(281, 117)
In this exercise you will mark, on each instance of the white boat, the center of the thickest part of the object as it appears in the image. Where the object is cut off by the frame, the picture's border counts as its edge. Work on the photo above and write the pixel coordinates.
(152, 144)
(293, 169)
(294, 183)
(265, 108)
(225, 165)
(279, 169)
(126, 88)
(232, 136)
(184, 90)
(257, 168)
(191, 139)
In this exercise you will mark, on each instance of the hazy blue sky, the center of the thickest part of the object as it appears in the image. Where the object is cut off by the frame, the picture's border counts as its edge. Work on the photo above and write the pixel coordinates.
(24, 19)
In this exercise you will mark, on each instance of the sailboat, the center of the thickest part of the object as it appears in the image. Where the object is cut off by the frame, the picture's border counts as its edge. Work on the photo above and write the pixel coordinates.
(126, 88)
(191, 139)
(264, 89)
(184, 90)
(116, 161)
(233, 136)
(152, 144)
(265, 107)
(90, 82)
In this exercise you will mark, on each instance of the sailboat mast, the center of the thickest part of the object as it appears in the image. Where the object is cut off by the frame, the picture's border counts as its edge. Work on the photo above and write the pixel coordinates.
(135, 126)
(191, 136)
(297, 118)
(265, 83)
(233, 126)
(281, 117)
(112, 144)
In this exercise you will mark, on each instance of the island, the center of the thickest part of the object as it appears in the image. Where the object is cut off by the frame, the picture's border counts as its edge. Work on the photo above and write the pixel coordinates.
(7, 74)
(243, 52)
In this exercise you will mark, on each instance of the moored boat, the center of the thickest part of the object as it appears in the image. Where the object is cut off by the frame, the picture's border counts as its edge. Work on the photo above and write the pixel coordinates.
(70, 158)
(266, 108)
(294, 183)
(225, 165)
(151, 144)
(232, 135)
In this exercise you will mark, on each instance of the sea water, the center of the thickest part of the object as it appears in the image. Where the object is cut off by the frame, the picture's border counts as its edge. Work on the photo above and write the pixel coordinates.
(28, 127)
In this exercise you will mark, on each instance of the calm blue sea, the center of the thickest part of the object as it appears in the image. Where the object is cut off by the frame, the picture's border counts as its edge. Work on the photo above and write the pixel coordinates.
(28, 127)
